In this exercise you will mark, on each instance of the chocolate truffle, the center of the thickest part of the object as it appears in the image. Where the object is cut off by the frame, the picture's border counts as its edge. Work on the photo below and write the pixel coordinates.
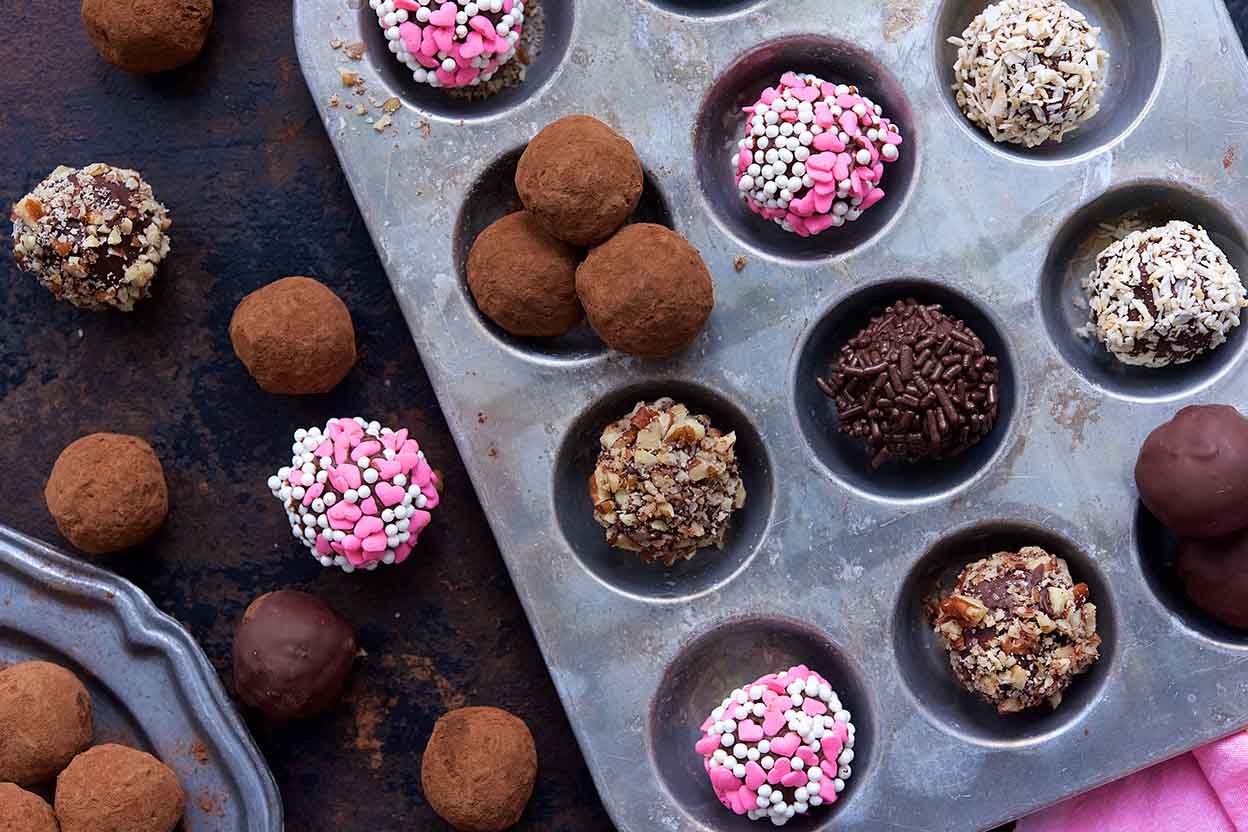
(1215, 574)
(915, 384)
(791, 721)
(47, 719)
(294, 336)
(1018, 629)
(523, 279)
(107, 492)
(112, 788)
(580, 179)
(292, 655)
(666, 483)
(1163, 296)
(357, 494)
(1192, 473)
(478, 769)
(21, 811)
(814, 153)
(93, 236)
(443, 51)
(1029, 71)
(646, 291)
(147, 36)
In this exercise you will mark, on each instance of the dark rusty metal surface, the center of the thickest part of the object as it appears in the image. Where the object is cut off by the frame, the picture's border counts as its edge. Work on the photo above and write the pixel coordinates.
(233, 146)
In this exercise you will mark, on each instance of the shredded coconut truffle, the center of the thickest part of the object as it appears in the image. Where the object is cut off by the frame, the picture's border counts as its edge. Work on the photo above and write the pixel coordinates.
(666, 482)
(779, 747)
(1029, 71)
(356, 494)
(93, 236)
(814, 153)
(1018, 629)
(1163, 296)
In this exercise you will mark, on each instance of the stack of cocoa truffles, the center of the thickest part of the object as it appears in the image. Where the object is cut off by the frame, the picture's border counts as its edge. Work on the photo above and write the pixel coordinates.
(1192, 475)
(643, 287)
(49, 724)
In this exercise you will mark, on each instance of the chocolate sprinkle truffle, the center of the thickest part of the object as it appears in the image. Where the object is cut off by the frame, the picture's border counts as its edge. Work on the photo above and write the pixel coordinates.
(147, 36)
(579, 179)
(1163, 296)
(112, 788)
(478, 769)
(646, 291)
(93, 236)
(1192, 473)
(1018, 629)
(523, 279)
(21, 811)
(294, 336)
(107, 492)
(46, 716)
(1029, 71)
(1215, 574)
(915, 384)
(666, 483)
(292, 655)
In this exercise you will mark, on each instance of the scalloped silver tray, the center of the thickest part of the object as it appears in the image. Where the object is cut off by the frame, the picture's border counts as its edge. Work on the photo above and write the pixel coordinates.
(152, 686)
(828, 563)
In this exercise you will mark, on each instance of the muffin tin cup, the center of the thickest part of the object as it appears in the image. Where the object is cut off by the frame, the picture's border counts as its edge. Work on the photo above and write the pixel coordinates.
(825, 562)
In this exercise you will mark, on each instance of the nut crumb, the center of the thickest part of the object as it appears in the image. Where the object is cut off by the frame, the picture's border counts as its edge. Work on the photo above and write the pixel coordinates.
(391, 105)
(426, 130)
(738, 262)
(349, 78)
(333, 101)
(354, 51)
(382, 123)
(336, 43)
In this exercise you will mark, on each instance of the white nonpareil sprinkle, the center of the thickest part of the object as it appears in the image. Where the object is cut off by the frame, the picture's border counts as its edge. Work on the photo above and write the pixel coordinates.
(1163, 296)
(1029, 71)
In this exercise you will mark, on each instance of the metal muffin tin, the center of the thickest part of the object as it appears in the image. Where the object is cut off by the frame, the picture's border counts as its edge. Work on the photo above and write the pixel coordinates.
(828, 563)
(150, 683)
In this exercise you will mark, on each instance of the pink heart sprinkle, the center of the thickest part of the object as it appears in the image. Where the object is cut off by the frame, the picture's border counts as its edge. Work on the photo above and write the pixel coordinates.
(444, 38)
(324, 449)
(749, 731)
(323, 545)
(420, 519)
(707, 745)
(773, 721)
(747, 799)
(411, 35)
(389, 494)
(429, 46)
(482, 25)
(351, 474)
(473, 45)
(444, 16)
(831, 747)
(422, 474)
(465, 75)
(432, 497)
(401, 552)
(754, 774)
(827, 789)
(370, 448)
(341, 450)
(814, 707)
(344, 511)
(387, 468)
(779, 770)
(819, 224)
(807, 756)
(314, 491)
(829, 768)
(792, 81)
(793, 778)
(351, 543)
(786, 745)
(723, 781)
(368, 525)
(375, 543)
(407, 461)
(369, 506)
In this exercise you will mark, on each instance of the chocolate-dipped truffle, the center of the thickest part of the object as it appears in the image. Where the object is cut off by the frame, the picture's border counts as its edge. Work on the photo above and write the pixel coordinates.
(1029, 71)
(763, 731)
(1215, 574)
(1192, 473)
(580, 179)
(442, 50)
(1018, 629)
(112, 788)
(523, 279)
(813, 154)
(478, 769)
(666, 483)
(21, 811)
(292, 655)
(294, 336)
(46, 716)
(914, 384)
(646, 291)
(107, 492)
(93, 236)
(357, 494)
(147, 36)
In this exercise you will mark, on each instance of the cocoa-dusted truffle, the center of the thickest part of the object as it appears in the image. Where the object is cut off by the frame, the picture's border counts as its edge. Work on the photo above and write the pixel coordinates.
(112, 788)
(292, 655)
(147, 36)
(21, 811)
(580, 179)
(1215, 574)
(646, 291)
(1192, 473)
(478, 769)
(93, 236)
(523, 279)
(294, 336)
(46, 717)
(1018, 629)
(107, 492)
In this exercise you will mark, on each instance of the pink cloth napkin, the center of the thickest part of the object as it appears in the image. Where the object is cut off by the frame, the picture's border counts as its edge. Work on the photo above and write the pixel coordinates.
(1204, 791)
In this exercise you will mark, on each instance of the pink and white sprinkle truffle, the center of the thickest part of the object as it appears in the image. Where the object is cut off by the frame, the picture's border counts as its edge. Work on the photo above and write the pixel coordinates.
(448, 44)
(814, 153)
(779, 747)
(356, 494)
